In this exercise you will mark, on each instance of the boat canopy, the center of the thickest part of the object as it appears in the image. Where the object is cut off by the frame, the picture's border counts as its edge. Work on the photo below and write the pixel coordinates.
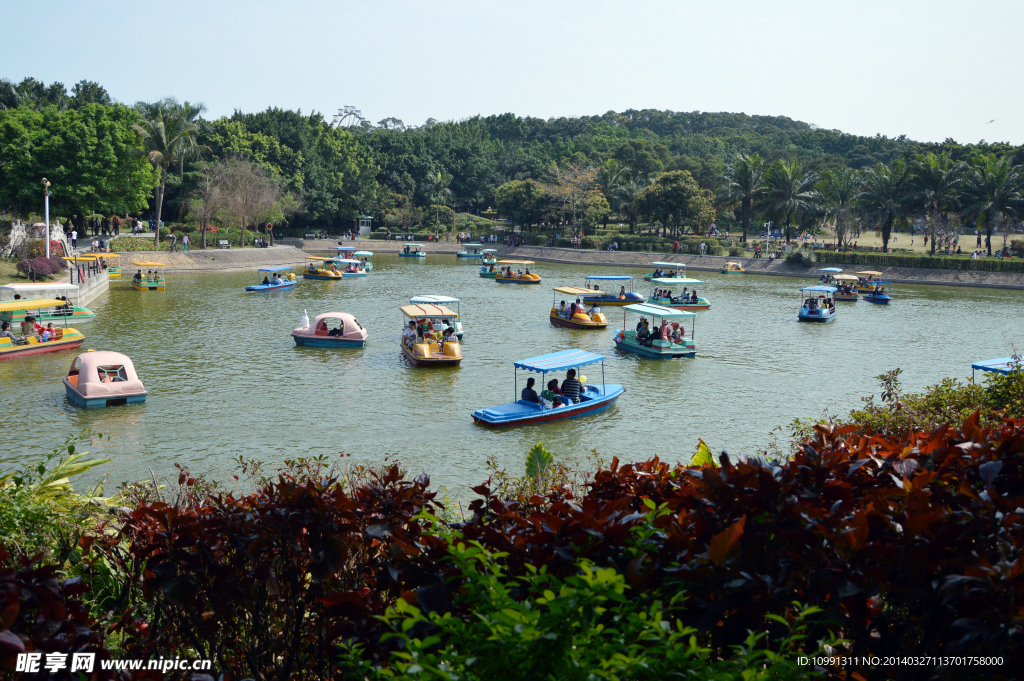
(610, 277)
(517, 262)
(680, 280)
(871, 273)
(433, 300)
(274, 268)
(732, 263)
(669, 264)
(84, 256)
(364, 254)
(53, 285)
(573, 290)
(830, 269)
(424, 310)
(820, 289)
(30, 304)
(489, 250)
(559, 361)
(845, 277)
(659, 311)
(1003, 365)
(315, 257)
(346, 261)
(341, 248)
(148, 263)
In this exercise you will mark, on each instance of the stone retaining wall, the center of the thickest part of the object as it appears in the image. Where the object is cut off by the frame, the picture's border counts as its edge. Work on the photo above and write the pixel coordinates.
(214, 258)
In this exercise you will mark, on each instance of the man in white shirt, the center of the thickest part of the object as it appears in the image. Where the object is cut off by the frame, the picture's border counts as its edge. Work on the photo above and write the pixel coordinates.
(409, 334)
(74, 238)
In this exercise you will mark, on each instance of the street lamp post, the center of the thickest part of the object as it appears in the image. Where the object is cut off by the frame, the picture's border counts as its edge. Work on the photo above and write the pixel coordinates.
(46, 203)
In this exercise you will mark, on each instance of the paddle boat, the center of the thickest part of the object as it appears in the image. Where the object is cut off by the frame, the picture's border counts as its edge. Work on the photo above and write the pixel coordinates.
(666, 270)
(866, 281)
(879, 295)
(320, 269)
(272, 281)
(815, 307)
(665, 341)
(342, 251)
(510, 277)
(113, 271)
(103, 379)
(488, 256)
(827, 273)
(349, 267)
(442, 300)
(1002, 365)
(564, 315)
(470, 252)
(32, 343)
(412, 251)
(732, 268)
(331, 330)
(489, 271)
(65, 312)
(364, 256)
(623, 297)
(679, 302)
(428, 348)
(152, 280)
(592, 399)
(845, 287)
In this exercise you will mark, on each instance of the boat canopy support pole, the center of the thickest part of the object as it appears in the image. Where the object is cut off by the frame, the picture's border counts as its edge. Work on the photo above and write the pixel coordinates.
(603, 391)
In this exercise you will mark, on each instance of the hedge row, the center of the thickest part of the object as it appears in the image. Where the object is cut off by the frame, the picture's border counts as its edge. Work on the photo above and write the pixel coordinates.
(926, 261)
(43, 267)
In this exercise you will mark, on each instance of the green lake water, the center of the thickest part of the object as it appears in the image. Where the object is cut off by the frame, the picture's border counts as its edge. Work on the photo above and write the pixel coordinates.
(226, 379)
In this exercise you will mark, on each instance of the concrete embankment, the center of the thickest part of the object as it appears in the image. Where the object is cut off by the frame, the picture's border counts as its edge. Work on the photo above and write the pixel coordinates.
(215, 259)
(322, 246)
(901, 275)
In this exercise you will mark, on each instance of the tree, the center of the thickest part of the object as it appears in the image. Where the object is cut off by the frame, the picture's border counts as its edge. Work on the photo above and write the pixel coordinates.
(169, 137)
(207, 198)
(994, 189)
(938, 187)
(87, 92)
(436, 185)
(521, 200)
(595, 209)
(250, 194)
(789, 192)
(839, 190)
(746, 183)
(643, 156)
(569, 188)
(609, 175)
(886, 192)
(627, 195)
(675, 199)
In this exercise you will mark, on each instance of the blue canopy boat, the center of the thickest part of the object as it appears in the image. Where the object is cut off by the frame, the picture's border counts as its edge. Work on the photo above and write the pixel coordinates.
(814, 310)
(1003, 365)
(470, 252)
(611, 298)
(593, 399)
(878, 295)
(287, 281)
(365, 257)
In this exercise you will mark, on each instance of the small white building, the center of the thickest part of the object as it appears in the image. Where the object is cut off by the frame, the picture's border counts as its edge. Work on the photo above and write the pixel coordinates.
(363, 225)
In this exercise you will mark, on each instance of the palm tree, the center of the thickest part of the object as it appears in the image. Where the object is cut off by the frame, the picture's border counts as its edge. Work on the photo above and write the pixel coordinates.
(886, 192)
(839, 190)
(938, 183)
(169, 138)
(609, 175)
(746, 183)
(994, 189)
(436, 185)
(789, 192)
(626, 195)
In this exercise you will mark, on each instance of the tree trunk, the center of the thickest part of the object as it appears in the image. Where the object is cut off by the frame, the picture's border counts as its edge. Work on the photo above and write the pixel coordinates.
(789, 228)
(745, 211)
(886, 233)
(203, 230)
(241, 240)
(988, 233)
(159, 207)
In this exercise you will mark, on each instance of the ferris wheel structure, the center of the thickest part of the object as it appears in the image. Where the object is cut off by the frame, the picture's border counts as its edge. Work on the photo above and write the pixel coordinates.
(347, 116)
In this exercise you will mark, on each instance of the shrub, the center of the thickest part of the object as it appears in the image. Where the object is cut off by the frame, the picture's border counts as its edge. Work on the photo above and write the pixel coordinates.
(37, 248)
(590, 242)
(717, 250)
(942, 262)
(563, 243)
(43, 267)
(737, 252)
(132, 244)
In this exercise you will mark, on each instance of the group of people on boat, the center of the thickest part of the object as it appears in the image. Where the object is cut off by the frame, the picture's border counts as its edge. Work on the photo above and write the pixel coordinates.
(506, 273)
(645, 335)
(820, 303)
(674, 274)
(567, 311)
(30, 327)
(686, 296)
(554, 395)
(413, 334)
(275, 280)
(150, 276)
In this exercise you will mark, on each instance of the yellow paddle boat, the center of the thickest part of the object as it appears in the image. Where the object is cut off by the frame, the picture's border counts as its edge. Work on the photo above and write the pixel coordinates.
(866, 281)
(845, 287)
(32, 341)
(152, 280)
(506, 274)
(323, 269)
(574, 315)
(113, 271)
(732, 268)
(423, 339)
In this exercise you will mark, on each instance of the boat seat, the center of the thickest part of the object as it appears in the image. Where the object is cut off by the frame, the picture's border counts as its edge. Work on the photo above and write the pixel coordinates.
(73, 380)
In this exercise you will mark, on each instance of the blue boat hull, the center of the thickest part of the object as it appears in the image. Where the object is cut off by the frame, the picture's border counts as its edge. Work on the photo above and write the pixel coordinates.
(816, 318)
(653, 353)
(270, 287)
(519, 413)
(877, 300)
(412, 255)
(468, 255)
(102, 401)
(630, 299)
(327, 342)
(353, 274)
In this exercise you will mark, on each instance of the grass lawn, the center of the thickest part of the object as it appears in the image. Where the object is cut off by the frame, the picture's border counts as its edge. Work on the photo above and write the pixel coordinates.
(9, 272)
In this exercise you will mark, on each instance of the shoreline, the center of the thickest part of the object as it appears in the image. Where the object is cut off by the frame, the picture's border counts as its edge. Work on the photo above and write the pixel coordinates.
(293, 251)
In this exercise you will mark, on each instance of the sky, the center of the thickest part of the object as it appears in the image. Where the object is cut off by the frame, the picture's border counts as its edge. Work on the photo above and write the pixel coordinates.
(929, 69)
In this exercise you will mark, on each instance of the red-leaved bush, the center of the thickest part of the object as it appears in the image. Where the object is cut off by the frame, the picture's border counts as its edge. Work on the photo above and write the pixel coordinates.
(911, 545)
(44, 267)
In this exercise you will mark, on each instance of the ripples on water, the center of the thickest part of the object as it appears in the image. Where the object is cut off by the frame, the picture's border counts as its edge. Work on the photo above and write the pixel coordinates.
(226, 379)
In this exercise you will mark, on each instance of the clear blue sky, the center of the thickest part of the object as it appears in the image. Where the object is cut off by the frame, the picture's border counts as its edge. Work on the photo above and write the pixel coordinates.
(926, 69)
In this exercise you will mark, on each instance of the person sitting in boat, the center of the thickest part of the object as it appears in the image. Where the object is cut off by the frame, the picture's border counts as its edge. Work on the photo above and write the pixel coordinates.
(571, 386)
(409, 334)
(694, 298)
(406, 249)
(562, 311)
(450, 336)
(529, 394)
(276, 279)
(642, 332)
(527, 271)
(28, 327)
(622, 292)
(640, 326)
(5, 332)
(595, 308)
(266, 281)
(677, 333)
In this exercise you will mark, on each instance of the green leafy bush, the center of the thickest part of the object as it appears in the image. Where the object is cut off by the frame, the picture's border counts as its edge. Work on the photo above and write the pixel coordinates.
(737, 252)
(940, 262)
